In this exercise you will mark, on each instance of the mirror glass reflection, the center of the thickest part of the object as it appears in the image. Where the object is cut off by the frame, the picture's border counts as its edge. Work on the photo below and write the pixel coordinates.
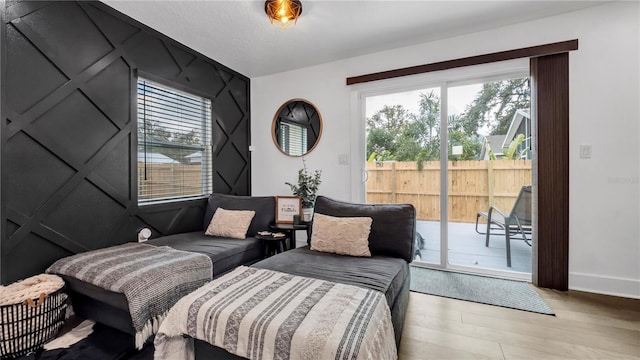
(296, 127)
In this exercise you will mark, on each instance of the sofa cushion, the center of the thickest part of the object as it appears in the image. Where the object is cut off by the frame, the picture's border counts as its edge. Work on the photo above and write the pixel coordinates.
(393, 229)
(264, 206)
(225, 253)
(381, 273)
(341, 235)
(230, 223)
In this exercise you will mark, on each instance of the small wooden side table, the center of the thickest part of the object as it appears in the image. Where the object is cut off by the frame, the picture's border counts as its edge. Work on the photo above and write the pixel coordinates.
(291, 229)
(272, 244)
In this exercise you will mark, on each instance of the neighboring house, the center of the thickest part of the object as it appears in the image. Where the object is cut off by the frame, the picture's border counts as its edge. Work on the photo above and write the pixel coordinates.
(520, 124)
(195, 158)
(492, 142)
(156, 158)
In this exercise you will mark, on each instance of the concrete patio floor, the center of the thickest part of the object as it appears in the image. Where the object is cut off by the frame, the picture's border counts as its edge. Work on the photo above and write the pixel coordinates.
(466, 248)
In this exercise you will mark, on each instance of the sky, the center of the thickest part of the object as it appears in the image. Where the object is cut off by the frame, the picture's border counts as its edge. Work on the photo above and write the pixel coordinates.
(459, 98)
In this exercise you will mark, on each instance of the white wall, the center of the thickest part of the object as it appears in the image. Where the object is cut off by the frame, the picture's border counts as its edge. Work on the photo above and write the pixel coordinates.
(604, 112)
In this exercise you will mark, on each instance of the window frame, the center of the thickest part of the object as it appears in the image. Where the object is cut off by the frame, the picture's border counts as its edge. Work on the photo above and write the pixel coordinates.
(444, 80)
(135, 140)
(286, 135)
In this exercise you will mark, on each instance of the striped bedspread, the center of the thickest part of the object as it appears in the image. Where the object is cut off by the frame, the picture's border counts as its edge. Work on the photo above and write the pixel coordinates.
(152, 278)
(265, 314)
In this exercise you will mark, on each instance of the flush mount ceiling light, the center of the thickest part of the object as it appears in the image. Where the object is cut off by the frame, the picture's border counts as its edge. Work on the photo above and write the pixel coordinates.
(283, 13)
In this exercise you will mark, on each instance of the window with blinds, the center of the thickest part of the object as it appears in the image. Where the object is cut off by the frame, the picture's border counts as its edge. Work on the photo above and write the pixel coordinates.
(293, 138)
(174, 144)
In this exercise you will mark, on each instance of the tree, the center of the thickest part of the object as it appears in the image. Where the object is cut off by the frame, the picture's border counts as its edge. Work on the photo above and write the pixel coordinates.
(458, 136)
(152, 131)
(393, 133)
(189, 138)
(396, 134)
(495, 105)
(384, 129)
(422, 134)
(170, 144)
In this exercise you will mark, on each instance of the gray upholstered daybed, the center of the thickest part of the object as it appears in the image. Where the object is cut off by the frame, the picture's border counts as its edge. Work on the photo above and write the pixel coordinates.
(391, 242)
(112, 309)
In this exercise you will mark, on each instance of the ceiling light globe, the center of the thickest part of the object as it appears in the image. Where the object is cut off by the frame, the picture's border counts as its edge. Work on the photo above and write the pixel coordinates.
(283, 13)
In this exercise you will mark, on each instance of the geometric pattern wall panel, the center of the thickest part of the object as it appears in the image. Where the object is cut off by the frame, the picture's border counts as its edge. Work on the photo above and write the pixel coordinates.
(239, 91)
(231, 159)
(183, 58)
(68, 36)
(228, 116)
(157, 219)
(69, 134)
(86, 213)
(209, 80)
(161, 63)
(191, 217)
(35, 174)
(220, 185)
(118, 28)
(170, 220)
(74, 128)
(234, 167)
(110, 89)
(33, 250)
(32, 76)
(113, 174)
(11, 227)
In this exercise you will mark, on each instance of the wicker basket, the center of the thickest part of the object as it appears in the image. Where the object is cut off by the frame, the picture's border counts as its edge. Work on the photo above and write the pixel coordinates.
(25, 327)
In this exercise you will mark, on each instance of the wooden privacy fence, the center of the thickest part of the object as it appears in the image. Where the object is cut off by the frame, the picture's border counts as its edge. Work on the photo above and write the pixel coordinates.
(167, 180)
(474, 185)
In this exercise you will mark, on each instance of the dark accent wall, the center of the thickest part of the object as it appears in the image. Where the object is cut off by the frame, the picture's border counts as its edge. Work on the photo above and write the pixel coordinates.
(68, 131)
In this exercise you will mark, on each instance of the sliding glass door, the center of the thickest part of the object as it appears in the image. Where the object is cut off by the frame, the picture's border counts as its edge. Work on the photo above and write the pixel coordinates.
(489, 175)
(403, 159)
(460, 152)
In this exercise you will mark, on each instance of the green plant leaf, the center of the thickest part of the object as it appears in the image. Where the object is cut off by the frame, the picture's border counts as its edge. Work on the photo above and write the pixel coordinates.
(307, 186)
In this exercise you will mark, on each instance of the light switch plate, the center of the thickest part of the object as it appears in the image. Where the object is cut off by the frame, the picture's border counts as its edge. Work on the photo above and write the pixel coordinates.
(585, 151)
(343, 159)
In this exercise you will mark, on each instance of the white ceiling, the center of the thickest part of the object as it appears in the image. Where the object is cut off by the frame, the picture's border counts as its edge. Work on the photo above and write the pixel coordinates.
(239, 35)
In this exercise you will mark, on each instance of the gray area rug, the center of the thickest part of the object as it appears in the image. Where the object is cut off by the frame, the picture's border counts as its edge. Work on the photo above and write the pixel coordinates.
(481, 289)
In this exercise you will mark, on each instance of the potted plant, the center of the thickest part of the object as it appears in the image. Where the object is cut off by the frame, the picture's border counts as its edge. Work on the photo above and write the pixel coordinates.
(307, 189)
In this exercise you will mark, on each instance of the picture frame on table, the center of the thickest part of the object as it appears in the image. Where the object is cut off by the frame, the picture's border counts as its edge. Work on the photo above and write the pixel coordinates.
(286, 208)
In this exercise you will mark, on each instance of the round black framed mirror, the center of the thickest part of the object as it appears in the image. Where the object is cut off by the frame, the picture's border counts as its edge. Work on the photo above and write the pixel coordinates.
(296, 127)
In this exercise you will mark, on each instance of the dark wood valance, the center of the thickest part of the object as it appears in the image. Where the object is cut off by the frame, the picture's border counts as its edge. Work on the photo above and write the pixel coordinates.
(527, 52)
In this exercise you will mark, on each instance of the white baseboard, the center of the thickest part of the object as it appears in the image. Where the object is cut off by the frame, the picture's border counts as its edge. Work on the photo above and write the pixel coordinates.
(624, 287)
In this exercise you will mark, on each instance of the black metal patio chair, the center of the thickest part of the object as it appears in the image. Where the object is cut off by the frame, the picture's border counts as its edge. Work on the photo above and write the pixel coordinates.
(417, 253)
(518, 222)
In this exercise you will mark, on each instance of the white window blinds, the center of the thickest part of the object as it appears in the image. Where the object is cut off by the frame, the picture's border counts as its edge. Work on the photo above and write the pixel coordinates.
(293, 138)
(174, 144)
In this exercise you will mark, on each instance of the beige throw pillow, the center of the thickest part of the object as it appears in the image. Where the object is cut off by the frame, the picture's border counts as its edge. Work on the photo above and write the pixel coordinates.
(230, 223)
(341, 235)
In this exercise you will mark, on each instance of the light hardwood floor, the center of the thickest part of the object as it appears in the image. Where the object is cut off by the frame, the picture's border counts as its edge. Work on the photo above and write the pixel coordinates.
(586, 326)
